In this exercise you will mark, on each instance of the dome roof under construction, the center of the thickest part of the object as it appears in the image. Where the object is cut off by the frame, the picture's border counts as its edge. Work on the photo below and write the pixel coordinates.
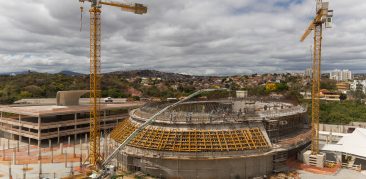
(205, 126)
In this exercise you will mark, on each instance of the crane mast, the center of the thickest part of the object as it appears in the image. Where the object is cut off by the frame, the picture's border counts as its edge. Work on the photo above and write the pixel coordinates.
(315, 89)
(95, 69)
(323, 15)
(95, 64)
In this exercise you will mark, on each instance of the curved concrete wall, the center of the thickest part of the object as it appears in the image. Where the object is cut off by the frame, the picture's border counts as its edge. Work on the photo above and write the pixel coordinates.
(236, 168)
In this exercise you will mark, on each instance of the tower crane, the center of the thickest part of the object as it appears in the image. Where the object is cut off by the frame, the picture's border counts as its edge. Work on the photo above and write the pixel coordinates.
(323, 16)
(95, 65)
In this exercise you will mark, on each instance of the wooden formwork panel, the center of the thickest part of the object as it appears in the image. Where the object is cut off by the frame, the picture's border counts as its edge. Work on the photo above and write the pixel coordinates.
(191, 140)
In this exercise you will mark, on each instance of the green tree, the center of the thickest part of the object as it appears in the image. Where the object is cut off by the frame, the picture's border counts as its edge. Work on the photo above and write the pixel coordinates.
(328, 84)
(25, 94)
(35, 90)
(282, 87)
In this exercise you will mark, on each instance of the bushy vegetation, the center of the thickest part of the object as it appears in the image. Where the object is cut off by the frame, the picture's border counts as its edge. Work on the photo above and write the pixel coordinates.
(342, 113)
(333, 112)
(37, 85)
(328, 84)
(44, 85)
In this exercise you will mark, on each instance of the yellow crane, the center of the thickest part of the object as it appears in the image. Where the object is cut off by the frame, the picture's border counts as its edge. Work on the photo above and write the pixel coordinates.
(95, 64)
(323, 16)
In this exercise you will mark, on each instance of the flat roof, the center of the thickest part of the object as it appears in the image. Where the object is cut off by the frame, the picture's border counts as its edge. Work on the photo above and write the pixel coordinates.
(51, 110)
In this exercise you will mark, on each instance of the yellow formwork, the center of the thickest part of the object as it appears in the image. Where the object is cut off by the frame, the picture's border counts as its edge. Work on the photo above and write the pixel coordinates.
(191, 140)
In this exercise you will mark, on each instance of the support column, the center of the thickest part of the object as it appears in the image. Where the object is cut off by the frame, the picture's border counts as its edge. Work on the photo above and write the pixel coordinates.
(104, 118)
(11, 134)
(104, 135)
(29, 140)
(3, 152)
(58, 135)
(19, 132)
(14, 157)
(75, 119)
(40, 169)
(51, 148)
(65, 158)
(81, 151)
(61, 148)
(28, 147)
(1, 117)
(39, 137)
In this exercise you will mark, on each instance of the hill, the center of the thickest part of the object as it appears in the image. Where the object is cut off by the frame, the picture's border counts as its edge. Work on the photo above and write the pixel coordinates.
(114, 84)
(70, 73)
(155, 74)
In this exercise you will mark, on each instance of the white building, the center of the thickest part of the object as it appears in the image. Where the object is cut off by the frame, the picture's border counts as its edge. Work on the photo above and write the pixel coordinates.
(341, 75)
(354, 84)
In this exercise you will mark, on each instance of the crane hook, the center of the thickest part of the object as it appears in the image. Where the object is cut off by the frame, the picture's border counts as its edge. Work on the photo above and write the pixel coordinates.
(81, 15)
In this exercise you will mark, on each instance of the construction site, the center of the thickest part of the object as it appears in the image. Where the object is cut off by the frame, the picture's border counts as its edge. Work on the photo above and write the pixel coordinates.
(53, 133)
(197, 136)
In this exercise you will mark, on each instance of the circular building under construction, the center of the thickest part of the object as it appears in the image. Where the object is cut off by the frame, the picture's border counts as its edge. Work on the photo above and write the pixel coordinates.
(226, 138)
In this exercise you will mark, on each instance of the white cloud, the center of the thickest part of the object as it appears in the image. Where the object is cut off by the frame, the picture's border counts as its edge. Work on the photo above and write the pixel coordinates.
(185, 36)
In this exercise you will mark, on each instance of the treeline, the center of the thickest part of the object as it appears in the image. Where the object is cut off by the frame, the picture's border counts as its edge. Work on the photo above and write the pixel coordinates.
(37, 85)
(44, 85)
(344, 112)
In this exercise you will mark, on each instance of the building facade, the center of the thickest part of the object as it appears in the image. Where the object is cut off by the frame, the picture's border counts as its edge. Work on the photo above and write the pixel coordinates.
(44, 122)
(358, 84)
(341, 75)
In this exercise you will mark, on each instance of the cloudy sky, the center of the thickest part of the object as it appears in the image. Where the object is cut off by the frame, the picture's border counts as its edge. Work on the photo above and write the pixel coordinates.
(186, 36)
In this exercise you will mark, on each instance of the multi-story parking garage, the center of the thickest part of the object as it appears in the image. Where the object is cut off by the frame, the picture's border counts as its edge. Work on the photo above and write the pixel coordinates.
(66, 118)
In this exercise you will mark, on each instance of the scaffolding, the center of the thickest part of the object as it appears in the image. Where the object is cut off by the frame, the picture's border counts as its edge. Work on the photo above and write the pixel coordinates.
(272, 128)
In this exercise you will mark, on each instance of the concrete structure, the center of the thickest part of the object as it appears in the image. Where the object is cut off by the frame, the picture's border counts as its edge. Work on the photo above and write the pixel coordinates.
(53, 101)
(330, 137)
(236, 138)
(349, 128)
(69, 98)
(55, 121)
(341, 75)
(317, 160)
